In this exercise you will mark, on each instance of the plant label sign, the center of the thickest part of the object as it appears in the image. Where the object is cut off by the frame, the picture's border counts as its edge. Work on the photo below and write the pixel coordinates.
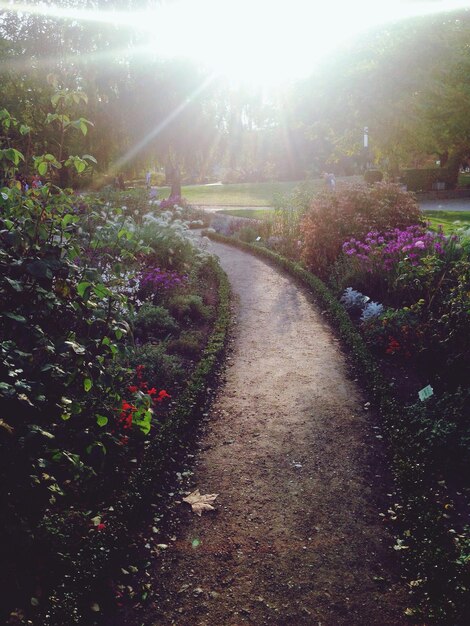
(425, 393)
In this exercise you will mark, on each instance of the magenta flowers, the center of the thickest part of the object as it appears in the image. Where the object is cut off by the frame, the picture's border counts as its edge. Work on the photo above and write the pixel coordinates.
(384, 251)
(157, 279)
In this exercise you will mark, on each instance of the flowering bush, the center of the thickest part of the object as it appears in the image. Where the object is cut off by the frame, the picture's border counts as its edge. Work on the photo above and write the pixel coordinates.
(381, 252)
(398, 266)
(155, 282)
(352, 212)
(173, 201)
(397, 332)
(157, 279)
(138, 409)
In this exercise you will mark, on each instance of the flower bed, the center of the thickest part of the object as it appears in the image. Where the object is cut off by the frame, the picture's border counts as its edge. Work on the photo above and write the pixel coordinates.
(98, 311)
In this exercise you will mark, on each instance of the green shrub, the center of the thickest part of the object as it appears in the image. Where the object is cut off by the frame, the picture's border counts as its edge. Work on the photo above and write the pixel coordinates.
(154, 322)
(281, 230)
(170, 248)
(247, 234)
(160, 368)
(373, 176)
(352, 212)
(189, 308)
(189, 344)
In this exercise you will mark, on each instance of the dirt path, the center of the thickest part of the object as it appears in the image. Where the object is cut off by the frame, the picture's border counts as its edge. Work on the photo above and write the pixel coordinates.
(296, 538)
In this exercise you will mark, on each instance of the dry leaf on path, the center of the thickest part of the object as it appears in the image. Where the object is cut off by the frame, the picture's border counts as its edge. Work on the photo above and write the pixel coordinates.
(200, 503)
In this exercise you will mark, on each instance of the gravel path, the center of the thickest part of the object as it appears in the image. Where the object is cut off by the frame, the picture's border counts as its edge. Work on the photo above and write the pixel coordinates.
(296, 538)
(462, 204)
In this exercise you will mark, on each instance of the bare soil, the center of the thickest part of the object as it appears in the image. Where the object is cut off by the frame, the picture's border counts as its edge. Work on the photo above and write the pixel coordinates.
(296, 538)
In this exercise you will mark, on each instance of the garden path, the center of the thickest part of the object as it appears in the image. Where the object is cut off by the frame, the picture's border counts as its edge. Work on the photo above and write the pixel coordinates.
(296, 538)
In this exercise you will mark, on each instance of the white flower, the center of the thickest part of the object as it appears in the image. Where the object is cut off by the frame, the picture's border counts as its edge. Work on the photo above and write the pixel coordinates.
(371, 310)
(353, 299)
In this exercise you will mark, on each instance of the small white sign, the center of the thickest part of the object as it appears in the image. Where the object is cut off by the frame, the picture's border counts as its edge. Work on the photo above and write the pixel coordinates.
(425, 393)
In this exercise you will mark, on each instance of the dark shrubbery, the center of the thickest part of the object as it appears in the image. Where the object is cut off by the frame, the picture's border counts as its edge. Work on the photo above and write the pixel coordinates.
(424, 179)
(188, 345)
(373, 176)
(153, 322)
(187, 308)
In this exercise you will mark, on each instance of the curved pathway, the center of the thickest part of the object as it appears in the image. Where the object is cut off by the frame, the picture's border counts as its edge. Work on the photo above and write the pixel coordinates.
(296, 538)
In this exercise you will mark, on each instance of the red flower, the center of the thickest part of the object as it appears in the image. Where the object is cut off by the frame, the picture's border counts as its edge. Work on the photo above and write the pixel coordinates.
(152, 392)
(163, 394)
(100, 526)
(127, 407)
(133, 388)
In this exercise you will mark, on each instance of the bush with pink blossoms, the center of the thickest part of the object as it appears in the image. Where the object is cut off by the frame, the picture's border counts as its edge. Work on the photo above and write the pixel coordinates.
(382, 252)
(352, 212)
(377, 263)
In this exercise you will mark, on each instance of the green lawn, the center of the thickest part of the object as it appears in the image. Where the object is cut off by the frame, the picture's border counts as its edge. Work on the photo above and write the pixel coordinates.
(242, 194)
(246, 194)
(450, 220)
(256, 214)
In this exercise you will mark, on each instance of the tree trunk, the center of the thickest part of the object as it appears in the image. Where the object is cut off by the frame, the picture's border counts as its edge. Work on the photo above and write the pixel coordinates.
(173, 176)
(453, 166)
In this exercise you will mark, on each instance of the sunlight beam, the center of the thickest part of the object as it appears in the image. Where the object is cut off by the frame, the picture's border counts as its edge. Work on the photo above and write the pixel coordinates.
(117, 165)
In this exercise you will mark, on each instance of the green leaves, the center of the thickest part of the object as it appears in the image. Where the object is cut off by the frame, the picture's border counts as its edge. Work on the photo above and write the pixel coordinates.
(87, 384)
(83, 289)
(12, 155)
(80, 163)
(15, 316)
(43, 162)
(101, 420)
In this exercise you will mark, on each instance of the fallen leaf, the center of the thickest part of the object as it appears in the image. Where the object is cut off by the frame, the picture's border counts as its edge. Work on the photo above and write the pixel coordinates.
(6, 427)
(200, 503)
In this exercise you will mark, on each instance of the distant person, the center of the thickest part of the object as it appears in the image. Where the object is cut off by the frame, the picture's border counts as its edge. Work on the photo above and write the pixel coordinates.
(148, 178)
(330, 181)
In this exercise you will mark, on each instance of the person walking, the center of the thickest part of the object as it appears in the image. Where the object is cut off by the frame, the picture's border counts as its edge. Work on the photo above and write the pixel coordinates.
(330, 181)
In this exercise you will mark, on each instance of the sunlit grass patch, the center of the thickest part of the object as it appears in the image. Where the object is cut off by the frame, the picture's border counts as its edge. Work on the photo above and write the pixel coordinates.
(254, 214)
(449, 220)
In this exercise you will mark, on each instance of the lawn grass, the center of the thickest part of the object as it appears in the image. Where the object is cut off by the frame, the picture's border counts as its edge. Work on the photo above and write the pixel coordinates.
(242, 194)
(247, 194)
(450, 220)
(255, 214)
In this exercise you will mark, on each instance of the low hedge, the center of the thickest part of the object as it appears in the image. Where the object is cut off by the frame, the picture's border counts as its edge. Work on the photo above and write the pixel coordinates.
(84, 572)
(423, 179)
(423, 515)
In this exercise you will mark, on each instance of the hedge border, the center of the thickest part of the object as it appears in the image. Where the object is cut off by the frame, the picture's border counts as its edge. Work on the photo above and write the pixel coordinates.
(391, 411)
(100, 553)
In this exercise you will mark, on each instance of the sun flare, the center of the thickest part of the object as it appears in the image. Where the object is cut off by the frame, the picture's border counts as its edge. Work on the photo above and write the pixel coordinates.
(270, 42)
(256, 41)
